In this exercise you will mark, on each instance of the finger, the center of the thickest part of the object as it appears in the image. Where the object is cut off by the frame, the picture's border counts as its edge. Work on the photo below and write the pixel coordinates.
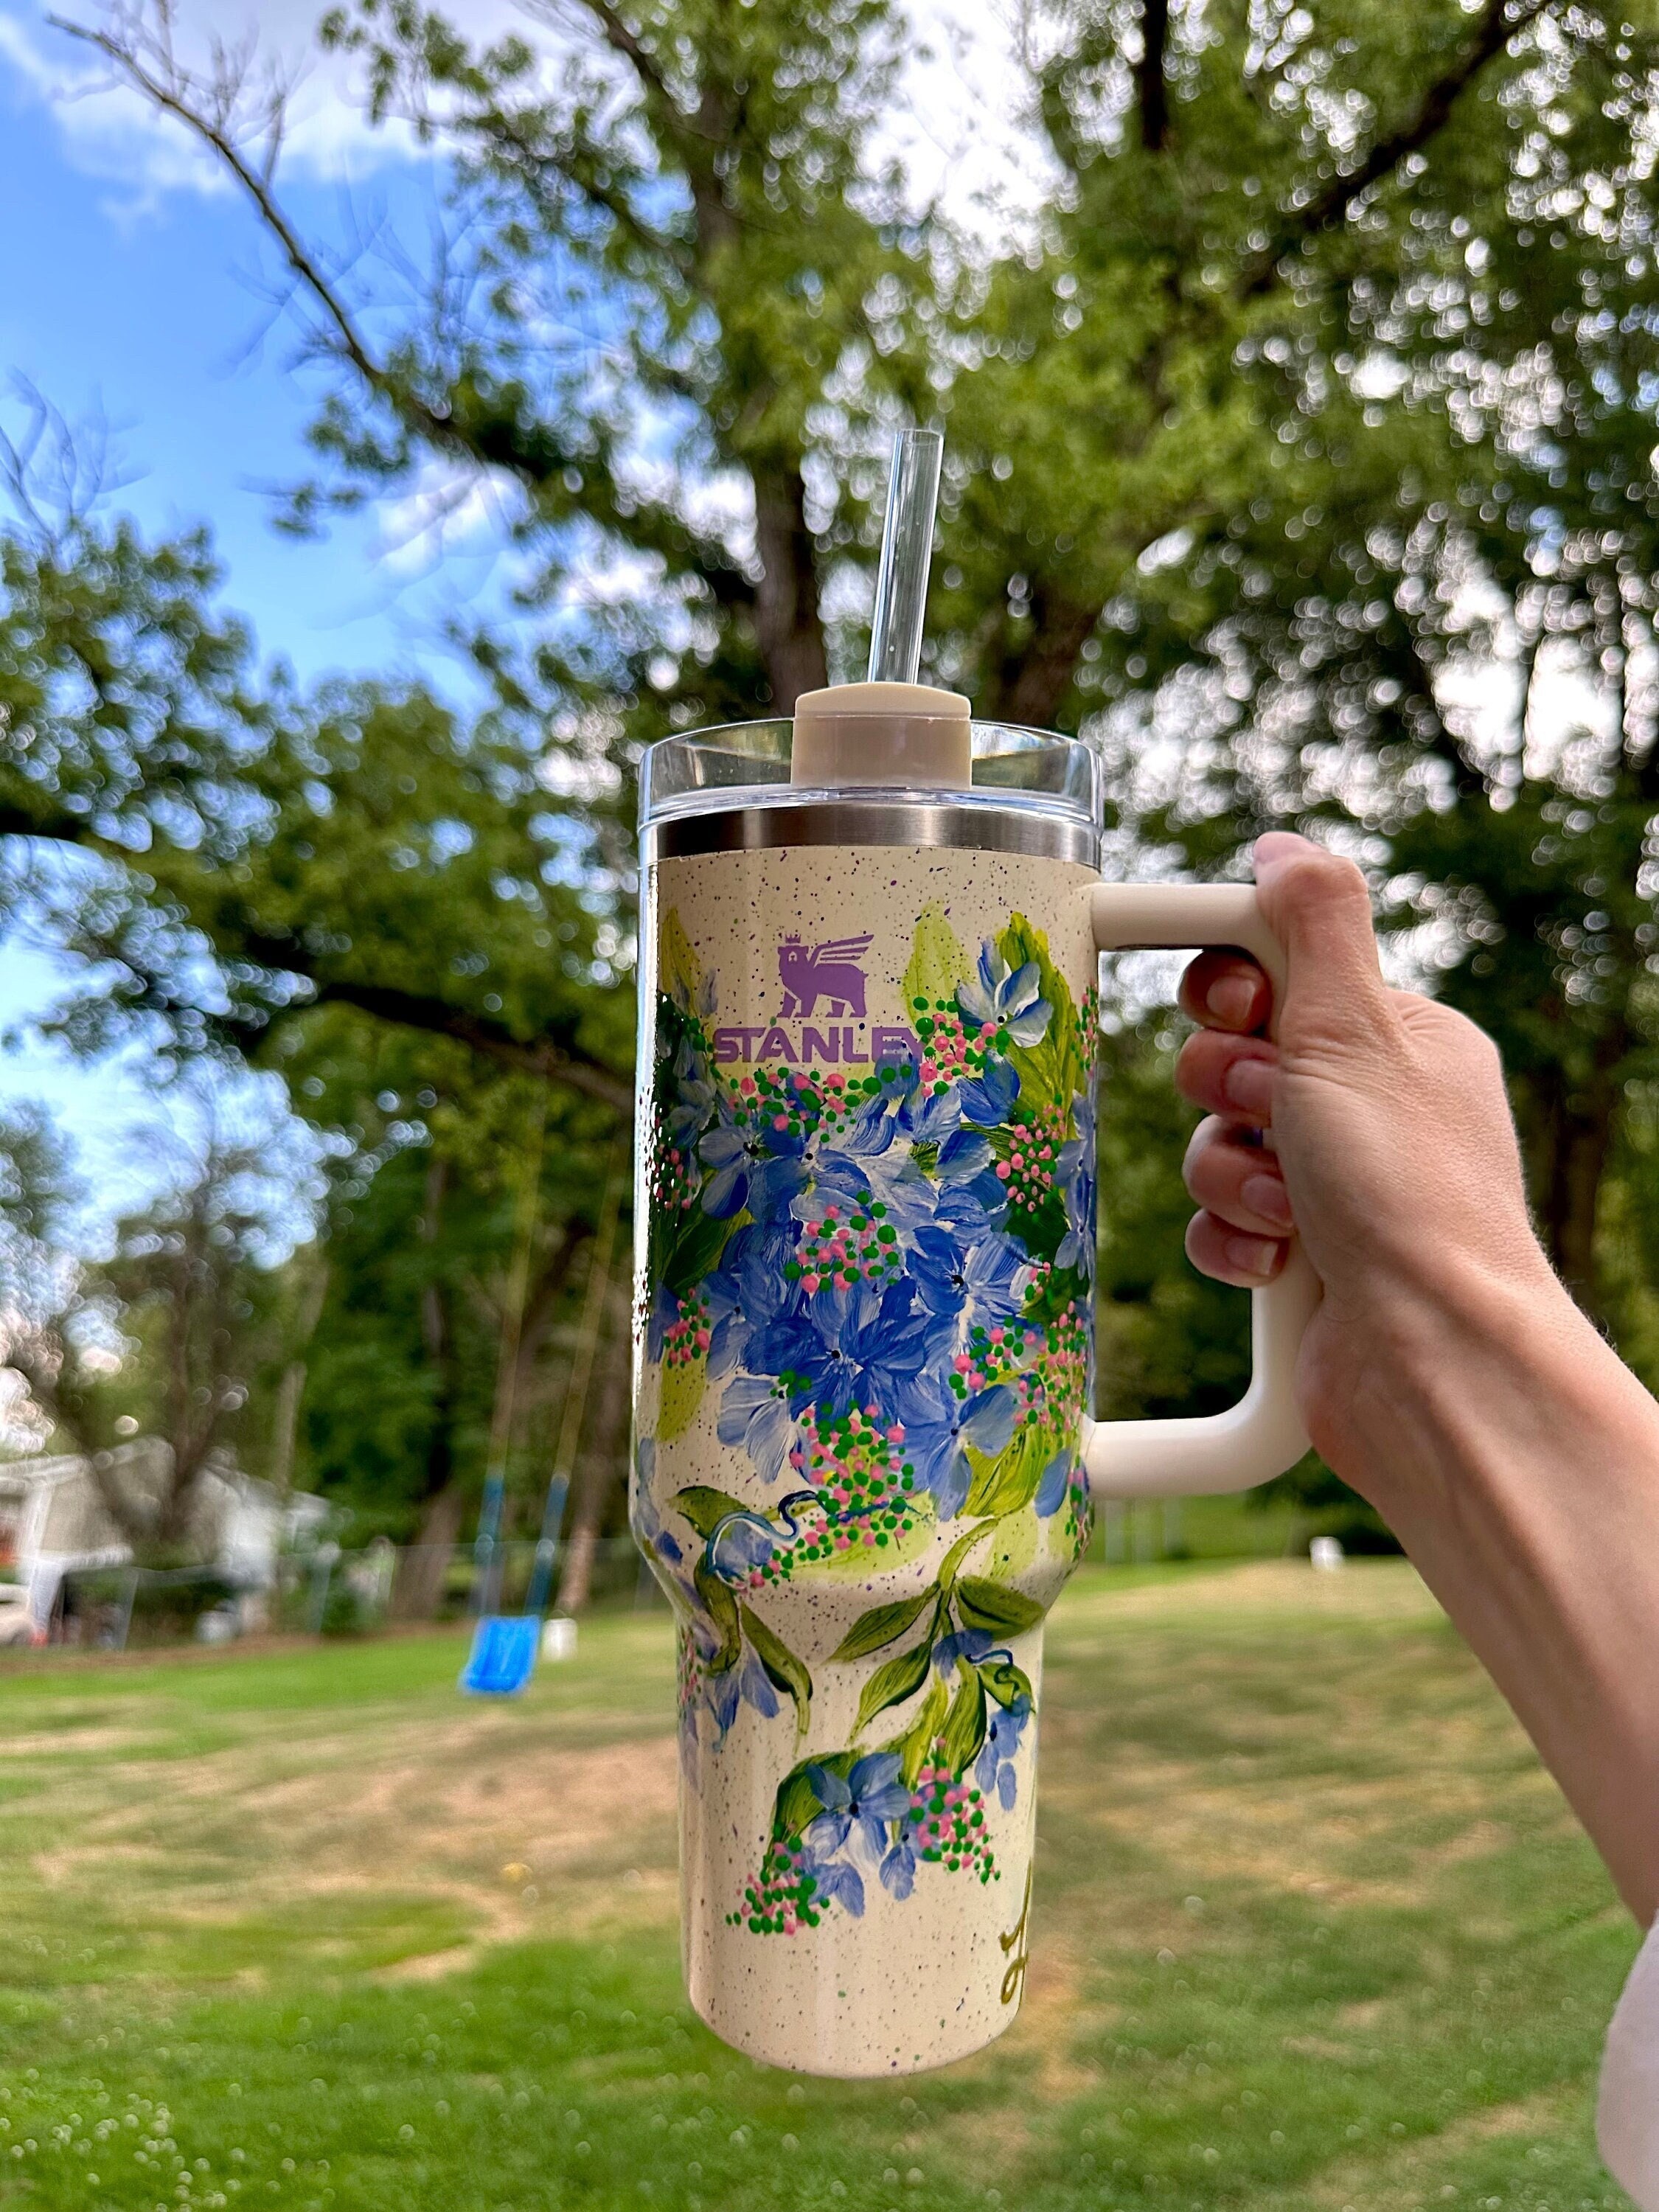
(1232, 1076)
(1317, 905)
(1226, 991)
(1232, 1256)
(1239, 1184)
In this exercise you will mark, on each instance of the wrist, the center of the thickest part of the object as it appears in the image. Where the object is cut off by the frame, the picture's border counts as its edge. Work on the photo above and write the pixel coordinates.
(1448, 1364)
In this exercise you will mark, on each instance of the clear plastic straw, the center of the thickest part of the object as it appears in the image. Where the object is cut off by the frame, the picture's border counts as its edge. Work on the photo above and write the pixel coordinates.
(906, 550)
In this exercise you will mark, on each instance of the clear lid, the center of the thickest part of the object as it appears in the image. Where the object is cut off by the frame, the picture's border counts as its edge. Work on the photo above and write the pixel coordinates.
(748, 764)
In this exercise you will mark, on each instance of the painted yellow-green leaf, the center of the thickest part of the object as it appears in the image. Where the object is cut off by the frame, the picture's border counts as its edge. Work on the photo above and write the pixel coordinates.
(881, 1625)
(682, 1391)
(722, 1610)
(1012, 1480)
(894, 1681)
(705, 1508)
(982, 1603)
(1012, 1548)
(679, 970)
(783, 1669)
(913, 1746)
(937, 962)
(965, 1727)
(1054, 1068)
(859, 1561)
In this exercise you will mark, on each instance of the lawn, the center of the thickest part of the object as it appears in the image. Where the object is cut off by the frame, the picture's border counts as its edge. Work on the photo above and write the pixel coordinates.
(302, 1929)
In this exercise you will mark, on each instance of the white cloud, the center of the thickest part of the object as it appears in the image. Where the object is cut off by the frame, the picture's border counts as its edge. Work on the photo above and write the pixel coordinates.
(449, 508)
(962, 128)
(954, 129)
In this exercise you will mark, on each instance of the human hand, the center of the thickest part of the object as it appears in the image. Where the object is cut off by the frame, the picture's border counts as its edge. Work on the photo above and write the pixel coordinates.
(1374, 1124)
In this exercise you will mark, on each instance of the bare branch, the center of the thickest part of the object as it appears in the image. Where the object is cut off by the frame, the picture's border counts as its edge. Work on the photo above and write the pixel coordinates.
(1500, 21)
(208, 112)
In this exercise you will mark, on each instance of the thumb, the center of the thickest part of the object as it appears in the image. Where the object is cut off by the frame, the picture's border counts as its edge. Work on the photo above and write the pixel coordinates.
(1317, 906)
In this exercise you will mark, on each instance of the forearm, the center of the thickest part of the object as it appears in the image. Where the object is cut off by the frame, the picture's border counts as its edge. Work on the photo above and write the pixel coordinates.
(1517, 1460)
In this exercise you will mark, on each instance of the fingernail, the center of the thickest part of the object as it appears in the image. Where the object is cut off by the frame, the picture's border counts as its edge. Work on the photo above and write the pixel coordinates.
(1249, 1087)
(1252, 1256)
(1266, 1194)
(1231, 1000)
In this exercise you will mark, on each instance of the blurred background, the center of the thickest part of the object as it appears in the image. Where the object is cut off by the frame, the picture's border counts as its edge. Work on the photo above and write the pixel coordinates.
(408, 417)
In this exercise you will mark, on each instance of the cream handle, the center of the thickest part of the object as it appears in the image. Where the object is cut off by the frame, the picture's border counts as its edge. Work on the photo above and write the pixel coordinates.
(1262, 1435)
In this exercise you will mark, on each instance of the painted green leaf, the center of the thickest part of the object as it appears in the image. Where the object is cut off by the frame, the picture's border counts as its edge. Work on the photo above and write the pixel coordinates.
(937, 962)
(722, 1610)
(783, 1670)
(965, 1724)
(706, 1509)
(913, 1746)
(698, 1242)
(995, 1607)
(1054, 1069)
(682, 1387)
(797, 1804)
(679, 970)
(882, 1625)
(1012, 1480)
(894, 1681)
(1006, 1683)
(957, 1553)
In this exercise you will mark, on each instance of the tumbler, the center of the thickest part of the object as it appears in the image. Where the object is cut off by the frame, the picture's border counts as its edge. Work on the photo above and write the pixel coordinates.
(865, 1454)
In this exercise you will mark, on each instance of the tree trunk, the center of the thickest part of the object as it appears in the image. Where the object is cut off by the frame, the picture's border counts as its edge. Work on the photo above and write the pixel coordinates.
(1030, 685)
(596, 1473)
(420, 1574)
(418, 1586)
(1151, 88)
(1578, 1142)
(787, 625)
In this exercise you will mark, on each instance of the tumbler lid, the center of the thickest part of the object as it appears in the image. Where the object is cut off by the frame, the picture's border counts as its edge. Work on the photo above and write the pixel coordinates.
(911, 735)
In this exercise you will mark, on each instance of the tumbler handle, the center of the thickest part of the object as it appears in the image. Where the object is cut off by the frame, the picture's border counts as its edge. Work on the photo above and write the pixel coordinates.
(1262, 1435)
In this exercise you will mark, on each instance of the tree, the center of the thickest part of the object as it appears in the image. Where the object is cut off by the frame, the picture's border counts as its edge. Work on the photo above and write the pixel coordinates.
(168, 1334)
(1271, 426)
(1326, 336)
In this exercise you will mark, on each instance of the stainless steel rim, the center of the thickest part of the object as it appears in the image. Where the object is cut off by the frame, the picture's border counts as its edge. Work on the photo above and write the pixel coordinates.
(877, 821)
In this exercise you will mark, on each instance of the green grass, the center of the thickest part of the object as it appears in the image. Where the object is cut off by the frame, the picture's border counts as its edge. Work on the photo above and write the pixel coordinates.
(303, 1929)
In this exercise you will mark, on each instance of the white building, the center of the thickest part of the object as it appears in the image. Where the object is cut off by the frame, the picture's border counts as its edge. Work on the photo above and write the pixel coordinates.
(54, 1519)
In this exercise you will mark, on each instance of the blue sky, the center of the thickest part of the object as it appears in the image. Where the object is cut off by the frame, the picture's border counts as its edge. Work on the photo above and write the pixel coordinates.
(129, 287)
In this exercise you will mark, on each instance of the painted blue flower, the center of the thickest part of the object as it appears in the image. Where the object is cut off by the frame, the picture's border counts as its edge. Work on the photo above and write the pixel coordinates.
(745, 1683)
(836, 1882)
(860, 1804)
(969, 1643)
(965, 1280)
(1012, 1001)
(938, 1429)
(646, 1523)
(915, 1159)
(696, 1094)
(994, 1767)
(750, 1164)
(1074, 1171)
(844, 1346)
(739, 1544)
(1051, 1491)
(755, 1414)
(899, 1868)
(988, 1099)
(748, 1289)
